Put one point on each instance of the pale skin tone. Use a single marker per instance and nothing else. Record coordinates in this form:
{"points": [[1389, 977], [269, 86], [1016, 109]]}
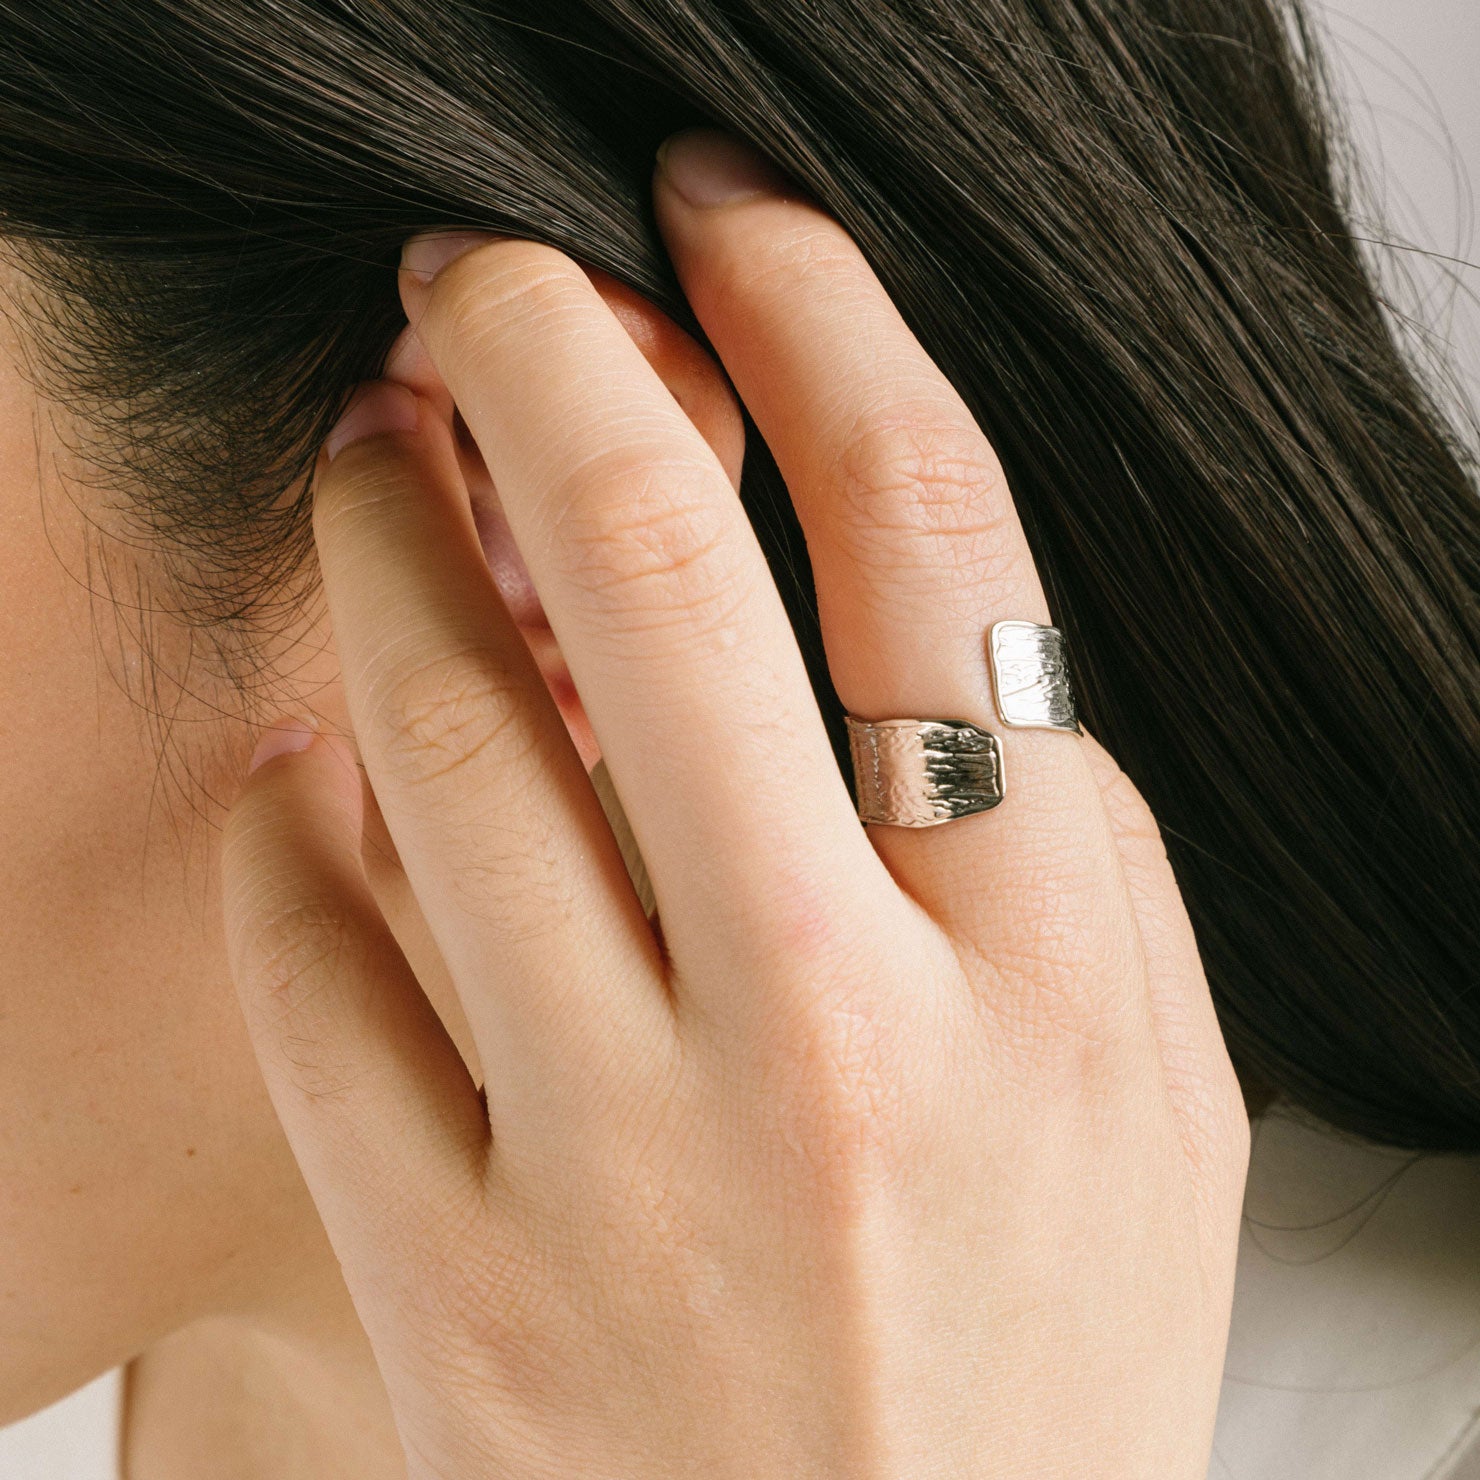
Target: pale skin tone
{"points": [[865, 1170]]}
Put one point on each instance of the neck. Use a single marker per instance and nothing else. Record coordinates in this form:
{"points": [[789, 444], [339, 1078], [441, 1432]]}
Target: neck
{"points": [[290, 1394]]}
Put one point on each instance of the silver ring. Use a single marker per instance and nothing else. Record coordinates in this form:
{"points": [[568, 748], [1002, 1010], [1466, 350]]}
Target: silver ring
{"points": [[920, 772], [1030, 679], [917, 772]]}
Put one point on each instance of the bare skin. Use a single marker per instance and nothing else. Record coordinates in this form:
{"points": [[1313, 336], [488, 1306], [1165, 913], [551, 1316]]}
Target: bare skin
{"points": [[129, 1081], [151, 1208], [908, 1152]]}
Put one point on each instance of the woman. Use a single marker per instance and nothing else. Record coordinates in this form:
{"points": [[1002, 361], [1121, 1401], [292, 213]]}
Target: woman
{"points": [[941, 1173]]}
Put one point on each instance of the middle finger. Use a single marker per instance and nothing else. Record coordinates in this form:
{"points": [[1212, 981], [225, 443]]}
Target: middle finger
{"points": [[658, 593]]}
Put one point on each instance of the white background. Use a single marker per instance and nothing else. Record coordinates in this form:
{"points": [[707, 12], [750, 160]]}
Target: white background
{"points": [[1410, 70]]}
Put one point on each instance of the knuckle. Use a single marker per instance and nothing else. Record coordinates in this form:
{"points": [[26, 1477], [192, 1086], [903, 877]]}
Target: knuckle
{"points": [[918, 488], [488, 1301], [459, 1332], [1057, 1008], [649, 545], [439, 713], [921, 468], [839, 1096]]}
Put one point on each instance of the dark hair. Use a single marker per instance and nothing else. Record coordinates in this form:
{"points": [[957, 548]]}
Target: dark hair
{"points": [[1117, 226]]}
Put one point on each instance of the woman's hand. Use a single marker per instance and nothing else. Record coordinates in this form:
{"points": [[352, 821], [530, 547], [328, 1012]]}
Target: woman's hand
{"points": [[903, 1152]]}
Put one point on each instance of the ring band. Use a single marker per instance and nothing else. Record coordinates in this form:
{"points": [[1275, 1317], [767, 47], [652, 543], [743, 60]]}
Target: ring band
{"points": [[919, 772], [1030, 679]]}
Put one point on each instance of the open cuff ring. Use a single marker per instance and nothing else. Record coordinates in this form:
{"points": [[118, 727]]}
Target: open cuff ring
{"points": [[919, 772]]}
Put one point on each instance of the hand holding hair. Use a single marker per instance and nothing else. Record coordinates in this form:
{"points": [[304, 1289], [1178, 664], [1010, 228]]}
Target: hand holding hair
{"points": [[901, 1150]]}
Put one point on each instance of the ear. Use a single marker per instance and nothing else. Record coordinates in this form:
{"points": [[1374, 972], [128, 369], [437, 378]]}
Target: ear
{"points": [[692, 375]]}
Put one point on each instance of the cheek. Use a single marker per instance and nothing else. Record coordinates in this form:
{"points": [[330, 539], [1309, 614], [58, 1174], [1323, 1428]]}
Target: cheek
{"points": [[143, 1178]]}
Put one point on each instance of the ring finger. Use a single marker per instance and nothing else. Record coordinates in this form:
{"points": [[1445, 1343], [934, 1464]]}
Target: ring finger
{"points": [[502, 838]]}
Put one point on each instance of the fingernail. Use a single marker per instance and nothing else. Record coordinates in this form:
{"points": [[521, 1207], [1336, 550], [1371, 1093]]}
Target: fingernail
{"points": [[378, 406], [426, 255], [709, 167], [283, 738]]}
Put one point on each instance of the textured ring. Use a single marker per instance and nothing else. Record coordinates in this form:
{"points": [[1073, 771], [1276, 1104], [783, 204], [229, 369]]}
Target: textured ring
{"points": [[918, 772], [1030, 678]]}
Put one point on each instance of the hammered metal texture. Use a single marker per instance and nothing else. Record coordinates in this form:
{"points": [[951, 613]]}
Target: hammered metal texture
{"points": [[918, 772], [1030, 678]]}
